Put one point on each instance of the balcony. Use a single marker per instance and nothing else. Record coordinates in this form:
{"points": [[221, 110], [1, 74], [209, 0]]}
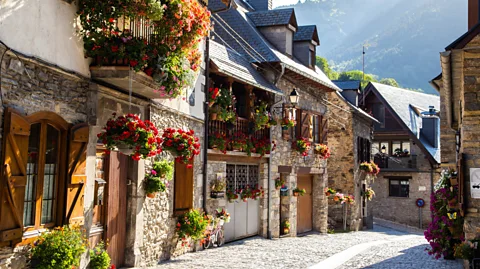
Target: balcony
{"points": [[396, 164], [242, 126]]}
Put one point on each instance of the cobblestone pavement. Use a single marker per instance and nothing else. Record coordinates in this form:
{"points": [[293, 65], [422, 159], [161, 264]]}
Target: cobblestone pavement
{"points": [[379, 248]]}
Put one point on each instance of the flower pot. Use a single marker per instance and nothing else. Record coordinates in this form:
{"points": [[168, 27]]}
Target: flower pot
{"points": [[453, 181], [151, 195], [295, 194], [125, 149], [286, 230], [221, 222], [213, 116]]}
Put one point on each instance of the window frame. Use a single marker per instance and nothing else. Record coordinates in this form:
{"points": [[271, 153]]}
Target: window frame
{"points": [[401, 192], [60, 125]]}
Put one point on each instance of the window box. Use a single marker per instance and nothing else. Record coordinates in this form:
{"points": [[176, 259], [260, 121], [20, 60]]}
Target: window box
{"points": [[217, 195]]}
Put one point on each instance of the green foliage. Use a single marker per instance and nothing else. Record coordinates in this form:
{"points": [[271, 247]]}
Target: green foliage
{"points": [[164, 169], [261, 116], [192, 224], [154, 184], [322, 63], [59, 249], [389, 81], [357, 75], [99, 258]]}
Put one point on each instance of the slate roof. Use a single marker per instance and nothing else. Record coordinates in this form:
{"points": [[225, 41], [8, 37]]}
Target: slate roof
{"points": [[403, 102], [233, 27], [347, 84], [273, 17], [234, 65], [356, 109], [306, 33]]}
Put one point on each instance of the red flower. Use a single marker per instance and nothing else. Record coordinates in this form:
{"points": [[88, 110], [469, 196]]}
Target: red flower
{"points": [[189, 166], [111, 20], [133, 63], [114, 48]]}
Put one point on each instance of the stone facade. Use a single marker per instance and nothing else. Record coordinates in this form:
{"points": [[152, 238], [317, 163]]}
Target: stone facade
{"points": [[403, 209], [343, 165]]}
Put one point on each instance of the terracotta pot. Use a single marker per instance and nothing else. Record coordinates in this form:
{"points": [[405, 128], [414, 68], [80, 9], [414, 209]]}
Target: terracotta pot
{"points": [[151, 195], [453, 181], [286, 230], [295, 194], [213, 116]]}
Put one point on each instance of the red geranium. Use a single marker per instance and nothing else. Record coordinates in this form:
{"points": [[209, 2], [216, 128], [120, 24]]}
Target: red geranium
{"points": [[182, 144], [130, 130], [302, 145]]}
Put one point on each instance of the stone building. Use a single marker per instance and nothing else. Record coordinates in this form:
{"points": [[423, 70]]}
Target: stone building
{"points": [[270, 58], [459, 85], [350, 130], [56, 100], [406, 147]]}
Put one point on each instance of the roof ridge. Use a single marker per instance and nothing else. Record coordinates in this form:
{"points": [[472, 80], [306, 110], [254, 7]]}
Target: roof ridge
{"points": [[410, 91]]}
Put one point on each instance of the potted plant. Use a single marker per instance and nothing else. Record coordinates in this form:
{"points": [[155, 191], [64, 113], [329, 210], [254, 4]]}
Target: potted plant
{"points": [[153, 184], [468, 250], [59, 248], [182, 144], [286, 227], [370, 168], [302, 146], [261, 116], [192, 225], [299, 192], [217, 188], [239, 141], [322, 151], [369, 193], [287, 123], [339, 197], [231, 196], [264, 146], [213, 93], [213, 112], [131, 136], [271, 121], [245, 193], [257, 193], [164, 169], [349, 199], [329, 191], [223, 215], [279, 182], [218, 141], [99, 258]]}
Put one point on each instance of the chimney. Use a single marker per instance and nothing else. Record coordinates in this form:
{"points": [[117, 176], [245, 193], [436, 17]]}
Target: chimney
{"points": [[261, 5], [473, 13], [431, 127]]}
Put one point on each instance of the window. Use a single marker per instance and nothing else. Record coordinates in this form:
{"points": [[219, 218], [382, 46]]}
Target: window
{"points": [[42, 176], [35, 153], [312, 126], [397, 148], [399, 187], [239, 176], [363, 150], [183, 188]]}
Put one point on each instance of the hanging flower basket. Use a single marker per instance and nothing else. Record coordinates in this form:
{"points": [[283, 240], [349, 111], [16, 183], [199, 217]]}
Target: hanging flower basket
{"points": [[302, 146], [131, 136], [322, 151], [183, 145], [287, 123]]}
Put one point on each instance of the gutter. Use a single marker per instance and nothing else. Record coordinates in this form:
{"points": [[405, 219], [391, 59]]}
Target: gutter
{"points": [[445, 61]]}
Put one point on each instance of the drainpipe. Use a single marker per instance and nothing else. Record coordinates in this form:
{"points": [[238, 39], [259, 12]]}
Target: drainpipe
{"points": [[205, 108]]}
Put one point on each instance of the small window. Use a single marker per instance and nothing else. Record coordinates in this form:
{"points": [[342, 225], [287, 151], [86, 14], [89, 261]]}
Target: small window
{"points": [[385, 147], [406, 147], [399, 187]]}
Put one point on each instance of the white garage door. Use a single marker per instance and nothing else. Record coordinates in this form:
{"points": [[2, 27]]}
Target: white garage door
{"points": [[244, 215]]}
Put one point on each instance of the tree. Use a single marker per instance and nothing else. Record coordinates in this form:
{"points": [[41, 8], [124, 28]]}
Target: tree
{"points": [[357, 75], [389, 81], [322, 63]]}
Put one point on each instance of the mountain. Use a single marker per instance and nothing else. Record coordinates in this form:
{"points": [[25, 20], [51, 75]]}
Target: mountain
{"points": [[403, 37]]}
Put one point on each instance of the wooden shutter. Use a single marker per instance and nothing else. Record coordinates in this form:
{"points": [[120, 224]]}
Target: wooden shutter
{"points": [[14, 177], [77, 157], [359, 149], [298, 126], [183, 188], [306, 125], [324, 130]]}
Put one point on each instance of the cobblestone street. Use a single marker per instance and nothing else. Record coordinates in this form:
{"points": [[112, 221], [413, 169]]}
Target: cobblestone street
{"points": [[380, 248]]}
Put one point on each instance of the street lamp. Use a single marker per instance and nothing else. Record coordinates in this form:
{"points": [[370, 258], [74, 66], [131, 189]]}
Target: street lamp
{"points": [[294, 97]]}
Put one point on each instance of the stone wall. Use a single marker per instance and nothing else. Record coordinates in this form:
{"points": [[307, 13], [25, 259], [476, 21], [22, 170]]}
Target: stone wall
{"points": [[159, 236], [286, 157], [343, 165], [30, 86], [470, 132], [399, 209]]}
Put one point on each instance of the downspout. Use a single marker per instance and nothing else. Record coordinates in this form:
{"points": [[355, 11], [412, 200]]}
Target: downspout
{"points": [[445, 60], [205, 109], [431, 184]]}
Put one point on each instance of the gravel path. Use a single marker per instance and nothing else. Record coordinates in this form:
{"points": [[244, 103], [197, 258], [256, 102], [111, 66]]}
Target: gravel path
{"points": [[379, 248]]}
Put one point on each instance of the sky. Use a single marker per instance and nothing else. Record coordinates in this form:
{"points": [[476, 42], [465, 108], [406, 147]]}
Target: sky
{"points": [[277, 3]]}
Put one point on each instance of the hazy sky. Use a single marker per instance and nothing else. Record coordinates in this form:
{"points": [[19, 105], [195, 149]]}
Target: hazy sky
{"points": [[277, 3]]}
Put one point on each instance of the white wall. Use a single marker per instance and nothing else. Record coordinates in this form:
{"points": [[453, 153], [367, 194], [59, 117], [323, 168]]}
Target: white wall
{"points": [[45, 29]]}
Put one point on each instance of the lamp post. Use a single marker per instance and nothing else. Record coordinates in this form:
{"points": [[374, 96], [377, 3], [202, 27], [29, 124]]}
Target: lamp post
{"points": [[294, 97]]}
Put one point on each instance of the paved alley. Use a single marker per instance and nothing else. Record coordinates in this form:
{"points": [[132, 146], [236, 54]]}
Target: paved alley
{"points": [[380, 248]]}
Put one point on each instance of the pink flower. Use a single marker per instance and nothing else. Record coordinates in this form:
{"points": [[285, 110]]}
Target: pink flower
{"points": [[154, 172]]}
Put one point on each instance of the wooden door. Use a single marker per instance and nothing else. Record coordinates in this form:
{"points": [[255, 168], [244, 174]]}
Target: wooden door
{"points": [[116, 215], [304, 204]]}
